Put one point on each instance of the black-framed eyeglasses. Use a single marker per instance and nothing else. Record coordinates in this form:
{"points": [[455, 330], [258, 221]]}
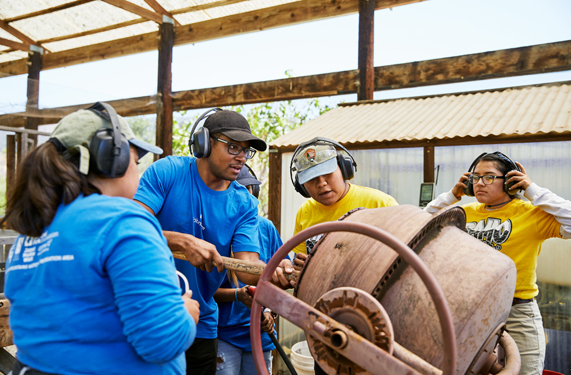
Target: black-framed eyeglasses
{"points": [[487, 179], [235, 149]]}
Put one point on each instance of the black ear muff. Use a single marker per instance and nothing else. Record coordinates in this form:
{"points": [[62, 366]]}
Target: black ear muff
{"points": [[513, 167], [346, 166], [300, 188], [200, 143], [102, 159], [469, 189]]}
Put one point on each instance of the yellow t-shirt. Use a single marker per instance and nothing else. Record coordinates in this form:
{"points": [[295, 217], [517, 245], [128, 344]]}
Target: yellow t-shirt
{"points": [[312, 212], [518, 229]]}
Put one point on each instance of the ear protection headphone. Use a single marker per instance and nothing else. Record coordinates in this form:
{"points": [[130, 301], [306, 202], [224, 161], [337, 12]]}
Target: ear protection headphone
{"points": [[255, 188], [347, 164], [469, 190], [199, 142], [109, 152]]}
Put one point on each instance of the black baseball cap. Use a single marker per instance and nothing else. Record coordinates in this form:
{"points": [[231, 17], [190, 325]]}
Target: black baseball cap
{"points": [[234, 126]]}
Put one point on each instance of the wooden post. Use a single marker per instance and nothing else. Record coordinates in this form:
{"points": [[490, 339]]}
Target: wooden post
{"points": [[164, 89], [366, 49], [10, 163], [33, 91], [428, 163], [275, 188]]}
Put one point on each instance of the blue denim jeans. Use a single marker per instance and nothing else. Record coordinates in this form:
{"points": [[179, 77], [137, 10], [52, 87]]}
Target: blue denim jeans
{"points": [[234, 361], [525, 326]]}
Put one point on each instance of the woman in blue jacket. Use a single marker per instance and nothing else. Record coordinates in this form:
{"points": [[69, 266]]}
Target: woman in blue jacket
{"points": [[91, 281]]}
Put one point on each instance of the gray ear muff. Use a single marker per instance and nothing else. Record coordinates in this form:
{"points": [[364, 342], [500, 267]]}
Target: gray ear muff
{"points": [[102, 159], [109, 149], [199, 141], [200, 146]]}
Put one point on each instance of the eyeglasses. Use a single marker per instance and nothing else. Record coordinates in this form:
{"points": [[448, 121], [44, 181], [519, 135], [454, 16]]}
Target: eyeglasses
{"points": [[235, 149], [487, 179]]}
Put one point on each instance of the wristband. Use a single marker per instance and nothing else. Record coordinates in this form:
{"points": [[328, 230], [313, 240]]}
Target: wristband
{"points": [[236, 293]]}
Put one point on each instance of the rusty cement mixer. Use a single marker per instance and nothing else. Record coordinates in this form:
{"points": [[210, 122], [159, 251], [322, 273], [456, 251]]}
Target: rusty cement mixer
{"points": [[370, 304]]}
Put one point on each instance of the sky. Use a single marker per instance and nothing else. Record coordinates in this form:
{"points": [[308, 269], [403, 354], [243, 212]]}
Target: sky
{"points": [[422, 31]]}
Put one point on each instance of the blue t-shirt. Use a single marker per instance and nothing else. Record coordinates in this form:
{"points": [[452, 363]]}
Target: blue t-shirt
{"points": [[98, 293], [234, 321], [183, 203]]}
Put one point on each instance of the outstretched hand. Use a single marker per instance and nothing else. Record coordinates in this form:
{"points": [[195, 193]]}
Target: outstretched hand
{"points": [[521, 179]]}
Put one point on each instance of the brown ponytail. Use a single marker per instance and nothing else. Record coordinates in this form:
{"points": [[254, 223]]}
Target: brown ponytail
{"points": [[44, 180]]}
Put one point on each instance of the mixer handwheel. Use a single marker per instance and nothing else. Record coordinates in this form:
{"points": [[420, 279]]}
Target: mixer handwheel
{"points": [[361, 313]]}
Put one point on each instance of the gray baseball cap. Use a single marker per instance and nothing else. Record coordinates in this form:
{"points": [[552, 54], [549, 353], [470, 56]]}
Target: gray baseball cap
{"points": [[76, 130], [246, 178], [315, 160]]}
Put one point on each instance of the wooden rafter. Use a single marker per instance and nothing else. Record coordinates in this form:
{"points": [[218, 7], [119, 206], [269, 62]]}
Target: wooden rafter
{"points": [[261, 19], [24, 38], [159, 9], [95, 31], [213, 4], [14, 45], [135, 9], [47, 11], [141, 20], [541, 58]]}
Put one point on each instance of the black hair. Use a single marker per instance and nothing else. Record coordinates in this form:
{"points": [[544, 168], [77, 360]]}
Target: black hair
{"points": [[43, 181]]}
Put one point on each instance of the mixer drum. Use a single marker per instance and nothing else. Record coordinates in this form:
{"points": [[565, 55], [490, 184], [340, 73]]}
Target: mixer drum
{"points": [[478, 281]]}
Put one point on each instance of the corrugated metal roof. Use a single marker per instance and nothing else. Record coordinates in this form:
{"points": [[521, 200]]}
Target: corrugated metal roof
{"points": [[533, 110]]}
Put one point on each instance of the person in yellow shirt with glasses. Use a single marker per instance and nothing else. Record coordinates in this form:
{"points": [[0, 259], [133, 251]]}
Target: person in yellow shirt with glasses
{"points": [[517, 228]]}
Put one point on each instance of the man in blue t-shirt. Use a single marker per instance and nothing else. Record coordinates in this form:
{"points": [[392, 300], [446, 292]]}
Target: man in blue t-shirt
{"points": [[204, 213], [234, 346]]}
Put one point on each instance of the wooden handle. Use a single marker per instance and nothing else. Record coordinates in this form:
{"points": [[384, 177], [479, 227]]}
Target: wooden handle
{"points": [[238, 265]]}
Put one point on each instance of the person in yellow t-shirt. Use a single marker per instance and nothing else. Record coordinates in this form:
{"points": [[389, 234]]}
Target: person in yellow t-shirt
{"points": [[517, 228], [322, 173]]}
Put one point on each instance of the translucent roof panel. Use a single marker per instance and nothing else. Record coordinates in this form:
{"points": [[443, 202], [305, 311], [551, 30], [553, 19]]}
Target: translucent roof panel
{"points": [[106, 36], [81, 18], [15, 8]]}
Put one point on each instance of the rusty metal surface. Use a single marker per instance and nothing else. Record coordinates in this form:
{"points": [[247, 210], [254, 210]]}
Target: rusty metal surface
{"points": [[486, 357], [349, 344], [513, 363], [361, 351], [478, 282], [338, 259], [360, 312], [451, 216]]}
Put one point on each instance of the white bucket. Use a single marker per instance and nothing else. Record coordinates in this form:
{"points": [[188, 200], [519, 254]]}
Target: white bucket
{"points": [[301, 359]]}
